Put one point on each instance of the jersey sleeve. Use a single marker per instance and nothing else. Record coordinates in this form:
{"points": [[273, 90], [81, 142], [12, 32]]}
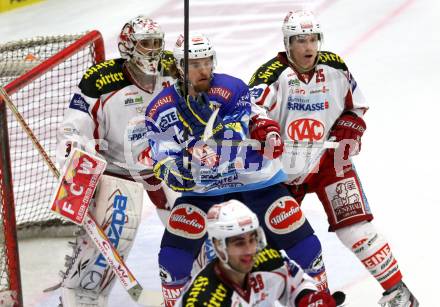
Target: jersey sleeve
{"points": [[235, 118], [83, 125], [264, 83], [160, 120], [296, 282], [79, 127], [354, 99]]}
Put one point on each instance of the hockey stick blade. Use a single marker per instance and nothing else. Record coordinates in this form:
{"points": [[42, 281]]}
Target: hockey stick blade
{"points": [[127, 279], [208, 132], [150, 298]]}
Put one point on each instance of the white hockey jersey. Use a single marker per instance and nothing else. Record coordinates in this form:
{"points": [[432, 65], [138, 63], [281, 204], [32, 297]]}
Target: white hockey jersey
{"points": [[306, 109], [106, 114], [271, 279]]}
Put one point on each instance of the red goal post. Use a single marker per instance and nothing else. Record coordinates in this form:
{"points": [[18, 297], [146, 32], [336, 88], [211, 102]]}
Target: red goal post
{"points": [[39, 75]]}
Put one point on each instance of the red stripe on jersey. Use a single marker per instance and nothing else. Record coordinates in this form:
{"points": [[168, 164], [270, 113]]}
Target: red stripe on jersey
{"points": [[108, 98], [273, 106], [349, 101], [265, 93], [95, 120]]}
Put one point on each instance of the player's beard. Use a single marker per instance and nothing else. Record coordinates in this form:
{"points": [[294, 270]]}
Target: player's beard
{"points": [[203, 86]]}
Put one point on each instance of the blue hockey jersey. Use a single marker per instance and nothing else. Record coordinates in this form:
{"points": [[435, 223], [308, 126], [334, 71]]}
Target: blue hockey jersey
{"points": [[216, 169]]}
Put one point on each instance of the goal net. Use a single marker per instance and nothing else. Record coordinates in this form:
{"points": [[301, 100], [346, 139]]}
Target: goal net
{"points": [[39, 74]]}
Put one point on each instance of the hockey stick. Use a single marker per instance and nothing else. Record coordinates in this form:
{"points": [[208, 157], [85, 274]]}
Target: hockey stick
{"points": [[208, 133], [127, 279], [186, 163], [257, 144]]}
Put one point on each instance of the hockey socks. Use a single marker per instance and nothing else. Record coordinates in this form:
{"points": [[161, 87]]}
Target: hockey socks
{"points": [[308, 254]]}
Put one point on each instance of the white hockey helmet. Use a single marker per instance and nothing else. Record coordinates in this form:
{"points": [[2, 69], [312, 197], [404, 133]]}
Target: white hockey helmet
{"points": [[199, 46], [300, 22], [131, 47], [229, 219]]}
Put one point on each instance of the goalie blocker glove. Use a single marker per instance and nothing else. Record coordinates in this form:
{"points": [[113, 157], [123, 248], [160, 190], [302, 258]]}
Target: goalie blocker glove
{"points": [[195, 114], [349, 126], [174, 174], [267, 131]]}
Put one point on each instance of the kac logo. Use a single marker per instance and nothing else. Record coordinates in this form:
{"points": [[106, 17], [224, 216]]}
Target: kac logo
{"points": [[306, 129]]}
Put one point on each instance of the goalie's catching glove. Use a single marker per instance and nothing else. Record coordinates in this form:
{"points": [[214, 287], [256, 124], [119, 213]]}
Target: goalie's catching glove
{"points": [[267, 131], [349, 126], [194, 114], [172, 172]]}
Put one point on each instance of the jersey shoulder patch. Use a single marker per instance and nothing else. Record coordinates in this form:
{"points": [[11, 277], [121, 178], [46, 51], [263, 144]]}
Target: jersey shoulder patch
{"points": [[268, 73], [103, 78], [268, 259], [332, 59], [207, 290]]}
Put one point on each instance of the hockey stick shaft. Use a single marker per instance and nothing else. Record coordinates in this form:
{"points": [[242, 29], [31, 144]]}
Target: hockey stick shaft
{"points": [[29, 132], [257, 144], [98, 236], [186, 163]]}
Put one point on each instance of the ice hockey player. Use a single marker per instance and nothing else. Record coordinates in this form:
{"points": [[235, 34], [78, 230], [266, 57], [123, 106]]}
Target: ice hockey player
{"points": [[314, 97], [105, 117], [218, 173], [246, 272]]}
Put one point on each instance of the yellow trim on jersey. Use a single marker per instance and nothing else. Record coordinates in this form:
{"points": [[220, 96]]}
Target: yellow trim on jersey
{"points": [[7, 5]]}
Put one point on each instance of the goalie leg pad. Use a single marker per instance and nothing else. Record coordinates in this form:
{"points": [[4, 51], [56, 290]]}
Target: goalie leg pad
{"points": [[117, 208], [373, 251]]}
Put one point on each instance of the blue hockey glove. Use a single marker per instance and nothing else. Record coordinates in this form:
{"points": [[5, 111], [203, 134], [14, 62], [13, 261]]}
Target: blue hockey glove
{"points": [[172, 172], [195, 114]]}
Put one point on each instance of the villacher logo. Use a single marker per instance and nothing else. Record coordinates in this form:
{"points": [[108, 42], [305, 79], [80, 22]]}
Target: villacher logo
{"points": [[187, 221], [284, 216]]}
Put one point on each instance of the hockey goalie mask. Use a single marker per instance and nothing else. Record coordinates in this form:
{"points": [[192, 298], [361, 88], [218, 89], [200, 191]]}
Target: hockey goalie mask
{"points": [[232, 219], [199, 46], [142, 41], [299, 25]]}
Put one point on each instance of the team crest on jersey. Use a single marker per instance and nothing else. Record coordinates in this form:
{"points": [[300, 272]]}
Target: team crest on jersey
{"points": [[187, 221], [306, 129], [79, 103], [284, 216], [345, 199]]}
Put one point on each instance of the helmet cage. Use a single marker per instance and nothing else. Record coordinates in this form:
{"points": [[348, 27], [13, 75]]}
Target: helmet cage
{"points": [[139, 29]]}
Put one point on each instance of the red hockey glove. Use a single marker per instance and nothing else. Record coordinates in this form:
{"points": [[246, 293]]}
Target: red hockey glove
{"points": [[267, 131], [348, 127], [317, 299]]}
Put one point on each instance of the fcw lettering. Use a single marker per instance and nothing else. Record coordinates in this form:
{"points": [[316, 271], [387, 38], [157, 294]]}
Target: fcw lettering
{"points": [[306, 129]]}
